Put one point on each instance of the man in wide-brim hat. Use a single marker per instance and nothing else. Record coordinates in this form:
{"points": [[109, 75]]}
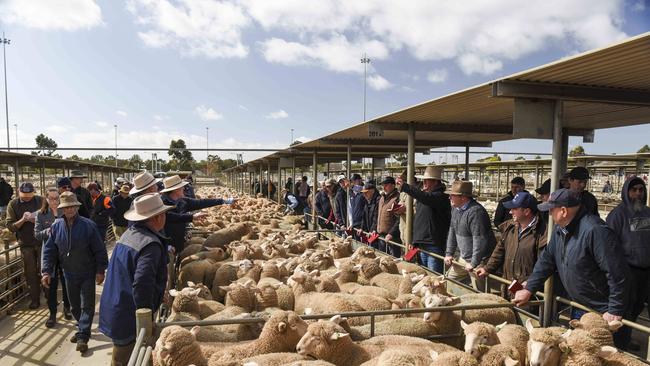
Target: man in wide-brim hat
{"points": [[470, 233], [144, 183], [432, 215], [181, 215], [83, 195], [136, 276], [75, 243]]}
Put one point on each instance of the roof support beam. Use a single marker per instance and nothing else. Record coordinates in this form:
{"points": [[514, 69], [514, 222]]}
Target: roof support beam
{"points": [[578, 93], [445, 127], [420, 143]]}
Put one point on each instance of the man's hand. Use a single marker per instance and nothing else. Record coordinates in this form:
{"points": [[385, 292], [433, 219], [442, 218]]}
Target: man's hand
{"points": [[468, 267], [45, 280], [399, 181], [410, 246], [522, 297], [448, 260], [389, 237], [401, 210], [99, 278], [199, 216], [481, 272], [610, 317], [26, 216], [171, 249]]}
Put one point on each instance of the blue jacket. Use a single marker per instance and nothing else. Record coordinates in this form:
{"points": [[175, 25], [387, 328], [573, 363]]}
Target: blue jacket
{"points": [[341, 214], [357, 204], [323, 205], [632, 226], [79, 249], [589, 260], [136, 278], [179, 217]]}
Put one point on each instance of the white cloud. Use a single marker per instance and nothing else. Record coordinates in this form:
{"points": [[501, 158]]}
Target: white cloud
{"points": [[437, 76], [160, 117], [207, 113], [56, 128], [101, 124], [121, 113], [377, 82], [194, 27], [279, 114], [242, 107], [303, 139], [67, 15], [472, 63]]}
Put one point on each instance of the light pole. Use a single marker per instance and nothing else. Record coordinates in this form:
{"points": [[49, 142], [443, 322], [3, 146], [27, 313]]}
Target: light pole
{"points": [[5, 42], [291, 142], [207, 152], [365, 61], [115, 126], [16, 127]]}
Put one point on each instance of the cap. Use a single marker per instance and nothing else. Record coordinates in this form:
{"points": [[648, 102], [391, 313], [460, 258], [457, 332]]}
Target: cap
{"points": [[560, 198], [93, 186], [368, 186], [579, 173], [388, 180], [355, 176], [26, 187], [340, 178], [521, 200], [63, 182], [518, 181], [330, 182], [545, 188]]}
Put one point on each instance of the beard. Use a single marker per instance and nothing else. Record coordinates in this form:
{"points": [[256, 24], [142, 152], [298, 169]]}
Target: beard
{"points": [[637, 205]]}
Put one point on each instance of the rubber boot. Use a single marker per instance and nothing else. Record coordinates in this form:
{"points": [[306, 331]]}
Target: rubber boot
{"points": [[121, 354]]}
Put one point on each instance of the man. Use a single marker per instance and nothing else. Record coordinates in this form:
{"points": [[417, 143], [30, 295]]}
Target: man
{"points": [[303, 190], [544, 192], [501, 215], [289, 185], [470, 233], [630, 220], [578, 178], [564, 181], [387, 220], [180, 215], [6, 191], [401, 210], [75, 243], [83, 196], [291, 201], [356, 202], [323, 206], [137, 275], [122, 203], [119, 182], [432, 215], [341, 213], [21, 215], [102, 209], [369, 216], [608, 188], [522, 239], [143, 183], [587, 256], [189, 188]]}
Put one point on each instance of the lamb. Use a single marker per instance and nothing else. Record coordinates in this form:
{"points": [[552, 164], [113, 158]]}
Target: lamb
{"points": [[501, 355], [480, 334], [178, 346], [202, 271], [340, 249], [225, 236], [240, 301], [455, 358], [224, 275], [273, 359], [579, 349], [207, 306], [216, 254], [599, 329], [281, 333], [432, 283], [494, 316], [544, 345], [407, 301], [326, 340], [396, 357], [187, 302], [190, 250], [372, 271], [327, 283]]}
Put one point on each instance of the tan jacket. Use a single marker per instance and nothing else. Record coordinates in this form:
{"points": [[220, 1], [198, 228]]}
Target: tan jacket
{"points": [[388, 222]]}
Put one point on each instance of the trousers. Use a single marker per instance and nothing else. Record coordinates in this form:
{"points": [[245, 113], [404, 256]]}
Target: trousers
{"points": [[81, 294], [52, 304], [32, 267]]}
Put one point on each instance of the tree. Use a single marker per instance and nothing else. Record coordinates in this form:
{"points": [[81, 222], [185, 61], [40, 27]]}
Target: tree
{"points": [[135, 162], [520, 158], [401, 158], [577, 151], [537, 157], [297, 142], [181, 158], [492, 158], [644, 149], [46, 146]]}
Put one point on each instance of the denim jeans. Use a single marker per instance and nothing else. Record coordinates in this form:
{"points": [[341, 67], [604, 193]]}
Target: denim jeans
{"points": [[430, 262], [52, 304], [81, 293]]}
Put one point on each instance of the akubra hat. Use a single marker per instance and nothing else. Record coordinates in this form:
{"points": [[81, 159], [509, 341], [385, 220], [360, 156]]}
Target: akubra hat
{"points": [[432, 172], [141, 182], [461, 188], [68, 199], [172, 183], [145, 207], [77, 174]]}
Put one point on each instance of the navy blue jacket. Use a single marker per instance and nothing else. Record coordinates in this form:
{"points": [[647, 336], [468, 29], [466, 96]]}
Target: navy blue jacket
{"points": [[136, 279], [589, 260], [341, 214], [357, 203], [188, 190], [79, 249], [180, 216], [323, 205]]}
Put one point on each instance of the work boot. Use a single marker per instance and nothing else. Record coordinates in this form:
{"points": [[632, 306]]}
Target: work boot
{"points": [[34, 305], [73, 339], [121, 354], [51, 321], [67, 314], [82, 345]]}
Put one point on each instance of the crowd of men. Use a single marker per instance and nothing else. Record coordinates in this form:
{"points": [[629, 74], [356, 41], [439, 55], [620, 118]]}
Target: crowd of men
{"points": [[604, 265], [62, 238]]}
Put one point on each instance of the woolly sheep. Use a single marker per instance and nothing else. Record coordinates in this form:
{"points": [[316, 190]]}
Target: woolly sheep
{"points": [[543, 347], [202, 271], [273, 359], [326, 340], [501, 355], [454, 358], [396, 357], [372, 271], [480, 334], [225, 236], [216, 254], [178, 346], [494, 316], [579, 349]]}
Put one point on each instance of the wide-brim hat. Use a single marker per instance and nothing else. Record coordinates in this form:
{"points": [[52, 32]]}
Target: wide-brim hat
{"points": [[432, 172], [146, 206], [142, 181], [77, 174], [68, 199], [461, 188], [173, 183]]}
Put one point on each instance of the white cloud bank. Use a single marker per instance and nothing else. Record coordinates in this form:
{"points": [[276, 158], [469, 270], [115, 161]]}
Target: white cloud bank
{"points": [[279, 114], [69, 15], [207, 113]]}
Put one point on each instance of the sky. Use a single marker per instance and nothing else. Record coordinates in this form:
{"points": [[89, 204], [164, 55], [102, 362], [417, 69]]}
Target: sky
{"points": [[252, 70]]}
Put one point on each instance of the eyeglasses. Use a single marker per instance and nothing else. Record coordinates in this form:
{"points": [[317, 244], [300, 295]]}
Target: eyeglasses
{"points": [[52, 199]]}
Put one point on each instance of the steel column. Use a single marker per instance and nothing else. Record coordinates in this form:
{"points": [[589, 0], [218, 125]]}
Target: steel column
{"points": [[348, 174], [279, 187], [268, 179], [314, 190], [410, 179], [467, 162]]}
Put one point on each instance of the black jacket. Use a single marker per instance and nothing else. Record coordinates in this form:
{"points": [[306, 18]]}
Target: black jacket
{"points": [[121, 205], [102, 210], [323, 205], [83, 195], [6, 191], [341, 214], [181, 215], [370, 213], [589, 260], [501, 214], [432, 217], [589, 202]]}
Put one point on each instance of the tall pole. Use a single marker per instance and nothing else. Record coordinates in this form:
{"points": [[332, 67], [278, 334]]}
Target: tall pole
{"points": [[365, 61], [291, 142], [115, 126], [16, 128], [5, 42], [207, 148]]}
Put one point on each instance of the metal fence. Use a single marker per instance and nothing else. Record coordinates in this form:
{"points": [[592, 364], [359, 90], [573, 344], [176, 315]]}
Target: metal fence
{"points": [[13, 286]]}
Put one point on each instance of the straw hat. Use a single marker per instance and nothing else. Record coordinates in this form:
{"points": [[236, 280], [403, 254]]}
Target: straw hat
{"points": [[68, 199], [172, 183], [461, 188], [141, 182], [146, 206], [432, 172]]}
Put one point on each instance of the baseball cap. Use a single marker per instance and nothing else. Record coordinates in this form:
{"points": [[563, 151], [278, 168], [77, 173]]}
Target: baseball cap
{"points": [[368, 186], [26, 187], [579, 173], [521, 200], [355, 176], [518, 181], [560, 198], [63, 182], [388, 180], [545, 188], [340, 178], [330, 182]]}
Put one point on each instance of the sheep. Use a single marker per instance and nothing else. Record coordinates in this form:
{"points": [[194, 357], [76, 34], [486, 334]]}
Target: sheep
{"points": [[216, 254], [455, 358], [543, 347], [409, 267], [407, 301], [432, 283], [389, 265], [480, 334], [372, 272], [579, 349], [494, 316], [273, 359], [340, 249], [202, 271], [501, 355], [225, 236], [326, 340], [281, 333], [396, 357], [178, 346], [327, 283], [224, 275], [190, 250], [310, 363]]}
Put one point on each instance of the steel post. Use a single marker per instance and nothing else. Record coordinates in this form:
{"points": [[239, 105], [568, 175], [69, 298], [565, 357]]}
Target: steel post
{"points": [[410, 179], [467, 162], [280, 185], [348, 174], [314, 190]]}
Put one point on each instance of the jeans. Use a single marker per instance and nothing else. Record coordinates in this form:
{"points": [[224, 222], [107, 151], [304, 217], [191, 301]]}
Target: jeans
{"points": [[81, 293], [32, 266], [430, 262], [52, 304]]}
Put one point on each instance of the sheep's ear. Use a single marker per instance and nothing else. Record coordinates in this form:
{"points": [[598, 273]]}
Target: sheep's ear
{"points": [[575, 324], [529, 325], [308, 311], [282, 327], [337, 264], [314, 273], [614, 325], [173, 293], [566, 334], [377, 260], [336, 319], [276, 285], [500, 326], [510, 362], [195, 331], [190, 284], [463, 324], [434, 355], [404, 273], [338, 335], [336, 275], [356, 268], [606, 351], [224, 288]]}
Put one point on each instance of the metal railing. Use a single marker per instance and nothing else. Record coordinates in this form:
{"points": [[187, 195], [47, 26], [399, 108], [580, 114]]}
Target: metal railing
{"points": [[13, 286]]}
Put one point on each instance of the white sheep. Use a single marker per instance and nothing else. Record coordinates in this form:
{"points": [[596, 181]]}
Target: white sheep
{"points": [[543, 347], [178, 346], [480, 334]]}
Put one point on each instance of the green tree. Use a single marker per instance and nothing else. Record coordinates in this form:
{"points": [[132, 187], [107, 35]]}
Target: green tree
{"points": [[46, 146], [401, 158], [577, 151], [297, 142], [520, 158], [644, 149], [181, 158], [135, 162], [538, 157], [492, 158]]}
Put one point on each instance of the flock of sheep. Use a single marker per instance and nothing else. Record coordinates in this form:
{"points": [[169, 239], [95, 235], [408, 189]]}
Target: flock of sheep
{"points": [[251, 262]]}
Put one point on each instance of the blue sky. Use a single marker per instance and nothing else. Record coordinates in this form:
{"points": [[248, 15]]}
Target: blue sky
{"points": [[251, 70]]}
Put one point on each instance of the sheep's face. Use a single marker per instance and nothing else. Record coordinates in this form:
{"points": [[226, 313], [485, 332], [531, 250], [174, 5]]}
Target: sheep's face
{"points": [[478, 336], [173, 342], [433, 301], [388, 265], [542, 354], [317, 341]]}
